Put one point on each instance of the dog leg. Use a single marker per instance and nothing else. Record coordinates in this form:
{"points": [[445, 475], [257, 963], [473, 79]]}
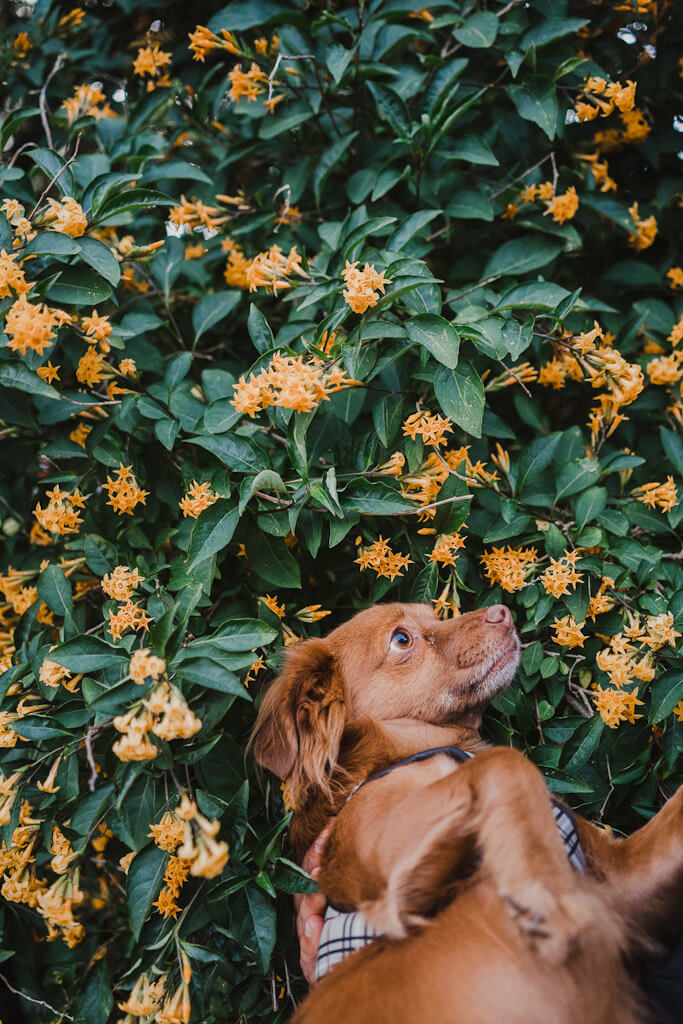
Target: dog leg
{"points": [[645, 871]]}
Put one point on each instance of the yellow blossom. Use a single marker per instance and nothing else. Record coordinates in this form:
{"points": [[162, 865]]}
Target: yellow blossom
{"points": [[431, 428], [292, 382], [145, 665], [129, 616], [67, 217], [509, 568], [249, 84], [382, 560], [675, 275], [96, 327], [616, 706], [363, 287], [568, 632], [124, 492], [564, 206], [12, 277], [656, 495], [120, 583], [446, 548], [91, 368], [31, 326], [197, 498], [203, 41], [61, 514], [168, 833], [646, 230]]}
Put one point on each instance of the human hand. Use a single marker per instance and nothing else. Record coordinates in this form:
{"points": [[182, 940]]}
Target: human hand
{"points": [[310, 908]]}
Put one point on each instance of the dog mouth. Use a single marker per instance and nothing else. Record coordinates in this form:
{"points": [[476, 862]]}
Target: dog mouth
{"points": [[501, 670]]}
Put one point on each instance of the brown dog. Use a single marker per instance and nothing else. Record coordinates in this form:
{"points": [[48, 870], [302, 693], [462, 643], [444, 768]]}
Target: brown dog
{"points": [[461, 868]]}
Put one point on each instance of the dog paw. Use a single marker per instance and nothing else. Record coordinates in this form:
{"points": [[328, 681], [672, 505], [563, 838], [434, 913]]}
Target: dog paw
{"points": [[551, 923]]}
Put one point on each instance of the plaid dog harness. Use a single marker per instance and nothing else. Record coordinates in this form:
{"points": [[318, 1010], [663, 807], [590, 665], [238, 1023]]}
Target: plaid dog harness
{"points": [[344, 933]]}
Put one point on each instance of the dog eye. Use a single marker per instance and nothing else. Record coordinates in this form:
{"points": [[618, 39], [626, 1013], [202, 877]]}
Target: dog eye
{"points": [[401, 640]]}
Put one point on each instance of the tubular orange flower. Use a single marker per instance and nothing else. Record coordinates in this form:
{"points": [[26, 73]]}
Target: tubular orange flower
{"points": [[120, 583], [569, 632], [430, 428], [446, 548], [616, 706], [67, 217], [12, 277], [509, 568], [124, 492], [129, 616], [197, 498], [655, 495], [379, 557], [144, 665], [61, 514], [31, 327], [363, 287]]}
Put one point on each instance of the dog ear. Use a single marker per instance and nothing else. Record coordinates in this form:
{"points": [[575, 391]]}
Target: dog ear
{"points": [[301, 720]]}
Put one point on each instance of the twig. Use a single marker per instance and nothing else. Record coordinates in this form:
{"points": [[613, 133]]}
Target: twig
{"points": [[286, 206], [37, 1002], [57, 176], [27, 145], [519, 177], [474, 287], [611, 788], [92, 780], [276, 65], [42, 98]]}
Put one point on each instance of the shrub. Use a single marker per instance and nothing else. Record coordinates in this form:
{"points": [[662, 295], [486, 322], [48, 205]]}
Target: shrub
{"points": [[315, 308]]}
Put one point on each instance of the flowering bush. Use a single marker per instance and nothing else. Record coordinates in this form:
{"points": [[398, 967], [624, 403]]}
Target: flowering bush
{"points": [[304, 309]]}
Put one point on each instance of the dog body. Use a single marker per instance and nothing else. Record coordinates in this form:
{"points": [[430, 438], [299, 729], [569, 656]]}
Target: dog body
{"points": [[460, 867]]}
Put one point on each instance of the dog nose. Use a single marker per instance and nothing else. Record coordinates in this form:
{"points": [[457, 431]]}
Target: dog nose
{"points": [[498, 613]]}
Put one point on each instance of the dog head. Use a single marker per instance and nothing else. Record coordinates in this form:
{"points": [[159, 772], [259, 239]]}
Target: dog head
{"points": [[390, 662]]}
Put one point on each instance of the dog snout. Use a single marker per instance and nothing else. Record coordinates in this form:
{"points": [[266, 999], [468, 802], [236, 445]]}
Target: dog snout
{"points": [[498, 613]]}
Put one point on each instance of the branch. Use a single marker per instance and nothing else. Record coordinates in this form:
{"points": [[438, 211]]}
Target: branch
{"points": [[92, 780], [57, 176], [42, 99], [37, 1002]]}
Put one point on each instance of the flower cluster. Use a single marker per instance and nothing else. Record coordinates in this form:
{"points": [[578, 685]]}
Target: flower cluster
{"points": [[67, 217], [569, 632], [510, 569], [203, 41], [124, 492], [561, 575], [379, 557], [31, 326], [656, 495], [291, 382], [363, 287], [144, 665], [197, 498], [121, 582], [432, 429], [600, 98], [561, 206], [446, 548], [149, 63], [164, 713], [271, 270], [646, 230], [61, 514]]}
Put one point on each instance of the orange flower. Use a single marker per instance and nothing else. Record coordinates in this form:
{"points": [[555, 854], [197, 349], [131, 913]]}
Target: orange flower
{"points": [[123, 490], [197, 498], [362, 286], [382, 560]]}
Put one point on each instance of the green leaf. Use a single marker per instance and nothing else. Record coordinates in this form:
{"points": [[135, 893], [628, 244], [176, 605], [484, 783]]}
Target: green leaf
{"points": [[410, 227], [213, 676], [263, 920], [266, 480], [471, 149], [460, 393], [101, 258], [470, 205], [271, 558], [391, 108], [19, 377], [575, 476], [212, 532], [375, 499], [536, 100], [55, 167], [95, 1004], [551, 29], [88, 654], [665, 695], [585, 742], [535, 458], [211, 309], [673, 446], [243, 635], [55, 590], [143, 885], [437, 335], [331, 156], [589, 505], [51, 243], [133, 199], [237, 453], [78, 287], [337, 59], [259, 330], [522, 255], [479, 31]]}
